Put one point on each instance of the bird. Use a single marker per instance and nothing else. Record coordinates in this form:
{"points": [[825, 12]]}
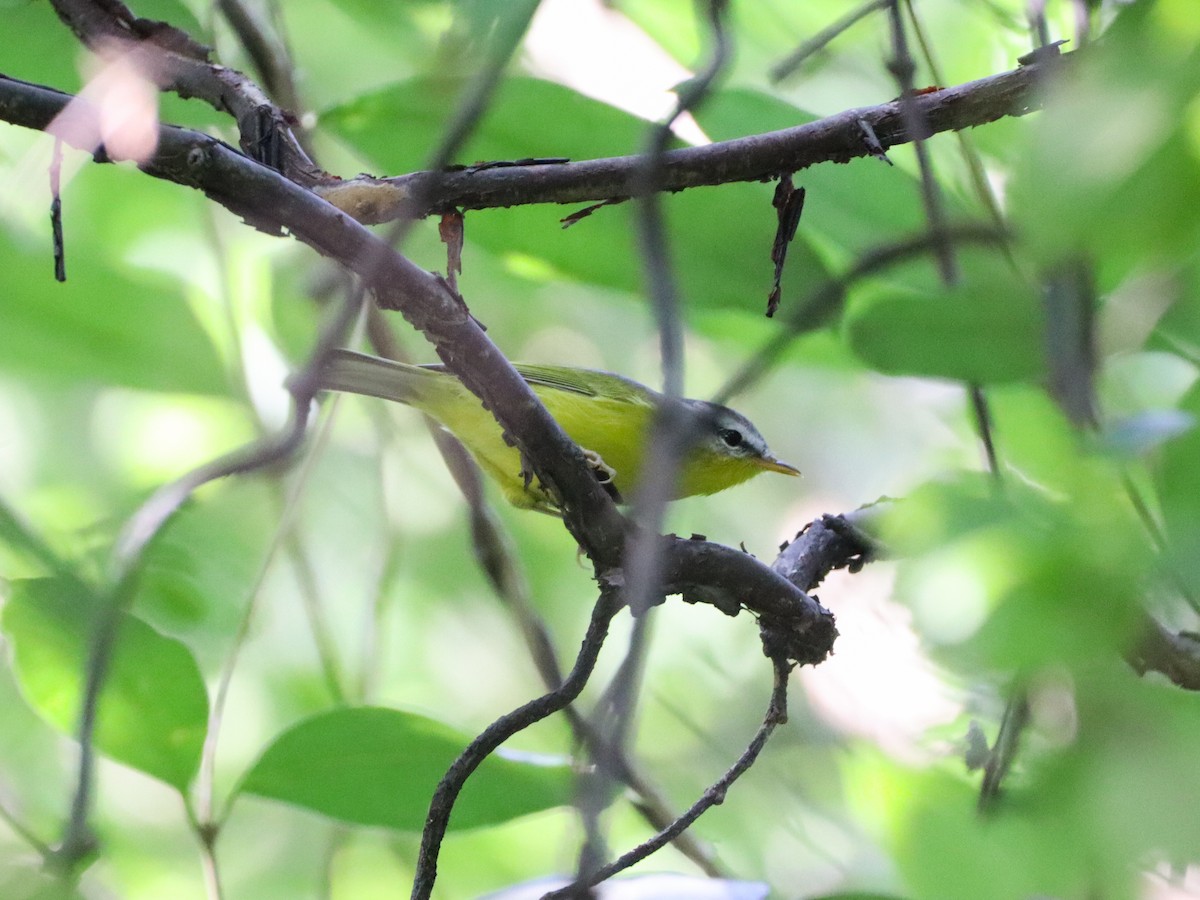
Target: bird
{"points": [[607, 415]]}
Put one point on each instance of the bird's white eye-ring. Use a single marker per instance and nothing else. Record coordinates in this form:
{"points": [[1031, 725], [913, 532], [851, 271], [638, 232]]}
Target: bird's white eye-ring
{"points": [[731, 436]]}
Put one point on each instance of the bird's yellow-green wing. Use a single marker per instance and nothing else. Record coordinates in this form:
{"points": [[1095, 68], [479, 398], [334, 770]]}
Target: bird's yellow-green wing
{"points": [[601, 412], [589, 382]]}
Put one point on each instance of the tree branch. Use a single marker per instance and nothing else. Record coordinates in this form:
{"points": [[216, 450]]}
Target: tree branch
{"points": [[760, 157], [1177, 656], [180, 64]]}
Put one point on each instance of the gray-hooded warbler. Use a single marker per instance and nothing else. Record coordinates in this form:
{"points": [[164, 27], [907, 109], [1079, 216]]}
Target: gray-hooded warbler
{"points": [[607, 415]]}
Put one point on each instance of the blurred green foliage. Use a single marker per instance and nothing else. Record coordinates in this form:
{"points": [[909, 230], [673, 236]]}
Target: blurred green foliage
{"points": [[154, 709], [364, 644]]}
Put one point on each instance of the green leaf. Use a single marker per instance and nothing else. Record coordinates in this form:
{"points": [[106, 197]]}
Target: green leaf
{"points": [[938, 333], [1132, 191], [385, 14], [37, 47], [672, 23], [153, 711], [1032, 578], [105, 324], [195, 571], [1171, 305], [1130, 774], [375, 766], [529, 117], [947, 851], [1089, 812], [25, 881]]}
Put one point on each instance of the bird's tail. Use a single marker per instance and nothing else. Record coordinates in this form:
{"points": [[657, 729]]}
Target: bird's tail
{"points": [[360, 374]]}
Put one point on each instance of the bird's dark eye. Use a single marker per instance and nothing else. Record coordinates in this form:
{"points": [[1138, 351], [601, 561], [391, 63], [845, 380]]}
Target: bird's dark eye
{"points": [[731, 437]]}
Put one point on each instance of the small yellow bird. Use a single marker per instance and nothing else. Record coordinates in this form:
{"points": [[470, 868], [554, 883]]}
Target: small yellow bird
{"points": [[606, 415]]}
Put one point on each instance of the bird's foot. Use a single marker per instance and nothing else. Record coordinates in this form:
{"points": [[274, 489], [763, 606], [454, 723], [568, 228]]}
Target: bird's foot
{"points": [[604, 473]]}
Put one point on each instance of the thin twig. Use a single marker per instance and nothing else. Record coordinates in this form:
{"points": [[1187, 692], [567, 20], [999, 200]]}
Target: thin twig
{"points": [[370, 657], [987, 196], [1038, 29], [205, 783], [56, 229], [211, 869], [670, 434], [1159, 541], [822, 39], [1004, 750], [975, 168], [668, 440], [268, 54], [613, 719], [44, 850], [715, 795], [824, 301], [607, 606], [20, 537], [902, 67], [318, 624], [513, 22], [983, 425], [380, 336], [271, 58], [1070, 303], [78, 841]]}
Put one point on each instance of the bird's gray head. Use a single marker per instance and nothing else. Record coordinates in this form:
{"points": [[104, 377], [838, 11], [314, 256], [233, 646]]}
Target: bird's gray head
{"points": [[729, 434]]}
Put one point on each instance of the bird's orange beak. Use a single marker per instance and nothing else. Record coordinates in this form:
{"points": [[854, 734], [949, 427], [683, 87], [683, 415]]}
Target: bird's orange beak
{"points": [[771, 464]]}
